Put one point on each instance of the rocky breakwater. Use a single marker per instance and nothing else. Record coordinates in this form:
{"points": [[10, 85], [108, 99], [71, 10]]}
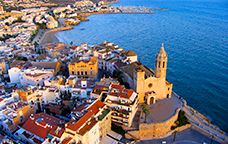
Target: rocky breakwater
{"points": [[135, 10]]}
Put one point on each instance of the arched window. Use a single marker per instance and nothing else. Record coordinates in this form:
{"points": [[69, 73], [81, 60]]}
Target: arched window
{"points": [[159, 64], [163, 64]]}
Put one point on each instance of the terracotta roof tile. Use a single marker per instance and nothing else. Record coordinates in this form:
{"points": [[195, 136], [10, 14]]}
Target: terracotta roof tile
{"points": [[75, 125], [67, 140], [120, 91], [95, 107], [92, 110], [87, 127], [41, 124]]}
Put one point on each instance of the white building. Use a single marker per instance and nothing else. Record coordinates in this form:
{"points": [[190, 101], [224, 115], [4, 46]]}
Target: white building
{"points": [[49, 95], [35, 77], [14, 75], [124, 104], [80, 88]]}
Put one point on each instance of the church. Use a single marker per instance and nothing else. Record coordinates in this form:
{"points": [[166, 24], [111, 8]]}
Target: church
{"points": [[149, 84]]}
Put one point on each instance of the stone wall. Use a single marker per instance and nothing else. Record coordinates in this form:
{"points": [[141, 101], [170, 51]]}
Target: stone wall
{"points": [[154, 130], [179, 129]]}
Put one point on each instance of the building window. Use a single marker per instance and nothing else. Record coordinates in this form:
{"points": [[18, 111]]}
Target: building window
{"points": [[21, 119], [163, 64], [150, 85], [81, 72], [159, 63], [85, 72], [72, 73], [78, 73]]}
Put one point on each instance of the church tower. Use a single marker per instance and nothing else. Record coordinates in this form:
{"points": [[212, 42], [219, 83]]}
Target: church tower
{"points": [[161, 63]]}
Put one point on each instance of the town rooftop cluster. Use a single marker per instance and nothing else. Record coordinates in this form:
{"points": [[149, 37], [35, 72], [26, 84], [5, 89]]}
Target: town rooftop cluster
{"points": [[66, 93]]}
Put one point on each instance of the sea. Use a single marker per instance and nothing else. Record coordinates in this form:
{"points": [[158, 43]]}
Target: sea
{"points": [[195, 35]]}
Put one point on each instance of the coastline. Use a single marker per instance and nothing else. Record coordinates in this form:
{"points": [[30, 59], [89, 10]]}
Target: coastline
{"points": [[50, 37], [201, 123]]}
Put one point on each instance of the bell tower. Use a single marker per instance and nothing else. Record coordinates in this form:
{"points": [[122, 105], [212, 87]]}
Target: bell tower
{"points": [[161, 63]]}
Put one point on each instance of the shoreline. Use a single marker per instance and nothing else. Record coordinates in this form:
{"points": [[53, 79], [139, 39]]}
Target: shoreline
{"points": [[50, 37], [201, 123]]}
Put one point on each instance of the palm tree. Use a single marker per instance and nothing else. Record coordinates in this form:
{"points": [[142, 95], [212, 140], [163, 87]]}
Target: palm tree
{"points": [[146, 110]]}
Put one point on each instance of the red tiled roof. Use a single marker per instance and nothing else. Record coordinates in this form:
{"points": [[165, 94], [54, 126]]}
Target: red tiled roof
{"points": [[92, 110], [87, 127], [121, 91], [96, 106], [67, 140], [57, 131], [73, 125], [117, 86], [99, 88], [41, 124]]}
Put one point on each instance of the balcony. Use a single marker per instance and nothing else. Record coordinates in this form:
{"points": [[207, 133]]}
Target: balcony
{"points": [[121, 111], [104, 113], [116, 115], [119, 103]]}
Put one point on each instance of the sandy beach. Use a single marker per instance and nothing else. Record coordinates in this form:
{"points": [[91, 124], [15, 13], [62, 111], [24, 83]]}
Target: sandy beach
{"points": [[49, 37]]}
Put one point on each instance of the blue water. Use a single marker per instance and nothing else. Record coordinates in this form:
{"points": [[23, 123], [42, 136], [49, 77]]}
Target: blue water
{"points": [[195, 33]]}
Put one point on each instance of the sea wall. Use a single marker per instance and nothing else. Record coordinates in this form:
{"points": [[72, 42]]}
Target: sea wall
{"points": [[60, 28], [155, 130]]}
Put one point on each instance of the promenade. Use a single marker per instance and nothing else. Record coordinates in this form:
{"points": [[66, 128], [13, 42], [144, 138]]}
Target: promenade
{"points": [[187, 136], [202, 124]]}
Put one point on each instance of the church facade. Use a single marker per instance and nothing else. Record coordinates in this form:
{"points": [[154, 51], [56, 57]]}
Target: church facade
{"points": [[150, 85]]}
